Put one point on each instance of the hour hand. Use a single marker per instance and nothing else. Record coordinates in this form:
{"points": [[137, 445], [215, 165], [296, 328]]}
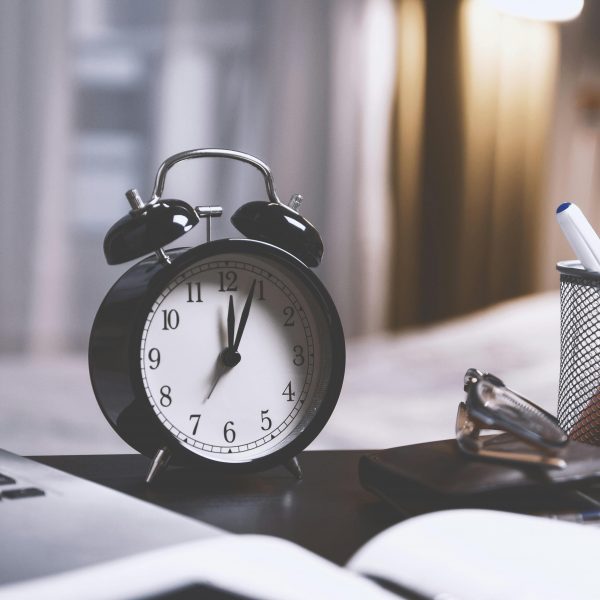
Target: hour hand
{"points": [[230, 323], [230, 357]]}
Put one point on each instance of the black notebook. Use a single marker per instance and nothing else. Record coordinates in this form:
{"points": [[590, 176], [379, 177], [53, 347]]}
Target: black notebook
{"points": [[422, 478]]}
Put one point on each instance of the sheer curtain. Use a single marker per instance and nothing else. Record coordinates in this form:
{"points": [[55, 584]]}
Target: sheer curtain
{"points": [[311, 95], [35, 122], [95, 95]]}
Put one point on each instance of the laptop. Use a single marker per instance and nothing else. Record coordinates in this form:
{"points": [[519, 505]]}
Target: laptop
{"points": [[53, 522]]}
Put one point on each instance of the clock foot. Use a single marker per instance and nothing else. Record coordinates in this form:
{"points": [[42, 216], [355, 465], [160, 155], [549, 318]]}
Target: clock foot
{"points": [[293, 466], [161, 460]]}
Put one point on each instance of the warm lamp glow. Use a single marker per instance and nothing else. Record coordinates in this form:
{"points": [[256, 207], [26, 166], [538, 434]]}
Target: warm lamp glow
{"points": [[541, 10]]}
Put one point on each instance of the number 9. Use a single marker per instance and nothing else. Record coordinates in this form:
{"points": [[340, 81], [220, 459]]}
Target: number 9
{"points": [[154, 357]]}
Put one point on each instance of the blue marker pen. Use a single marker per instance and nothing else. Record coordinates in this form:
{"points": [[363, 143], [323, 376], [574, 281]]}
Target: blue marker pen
{"points": [[580, 235]]}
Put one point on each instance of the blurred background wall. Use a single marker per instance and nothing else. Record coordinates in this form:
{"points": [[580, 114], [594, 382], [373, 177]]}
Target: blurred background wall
{"points": [[431, 141]]}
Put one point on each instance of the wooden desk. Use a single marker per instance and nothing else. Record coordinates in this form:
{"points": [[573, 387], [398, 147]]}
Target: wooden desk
{"points": [[327, 512]]}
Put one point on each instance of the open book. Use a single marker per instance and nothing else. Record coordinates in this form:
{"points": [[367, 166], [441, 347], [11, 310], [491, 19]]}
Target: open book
{"points": [[458, 554]]}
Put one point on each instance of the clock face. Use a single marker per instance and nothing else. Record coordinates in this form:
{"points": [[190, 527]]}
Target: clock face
{"points": [[236, 356]]}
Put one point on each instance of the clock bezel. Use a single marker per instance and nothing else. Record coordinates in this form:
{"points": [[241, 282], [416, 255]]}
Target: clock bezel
{"points": [[154, 428]]}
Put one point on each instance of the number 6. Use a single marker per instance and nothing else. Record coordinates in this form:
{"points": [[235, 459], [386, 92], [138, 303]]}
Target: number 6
{"points": [[229, 433]]}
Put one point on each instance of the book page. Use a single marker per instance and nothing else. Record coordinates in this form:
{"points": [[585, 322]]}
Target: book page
{"points": [[252, 566], [486, 555]]}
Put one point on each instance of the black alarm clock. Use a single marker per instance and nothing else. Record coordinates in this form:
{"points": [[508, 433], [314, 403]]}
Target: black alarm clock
{"points": [[227, 356]]}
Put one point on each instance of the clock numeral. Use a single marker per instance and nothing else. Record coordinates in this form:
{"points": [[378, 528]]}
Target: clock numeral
{"points": [[288, 392], [266, 421], [197, 417], [298, 355], [261, 289], [170, 319], [194, 292], [165, 396], [228, 432], [228, 280], [288, 312], [154, 358]]}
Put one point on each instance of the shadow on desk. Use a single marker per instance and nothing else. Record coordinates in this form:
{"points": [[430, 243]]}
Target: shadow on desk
{"points": [[327, 512]]}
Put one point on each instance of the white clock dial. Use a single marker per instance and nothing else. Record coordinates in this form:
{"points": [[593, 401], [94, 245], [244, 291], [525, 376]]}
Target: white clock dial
{"points": [[234, 412]]}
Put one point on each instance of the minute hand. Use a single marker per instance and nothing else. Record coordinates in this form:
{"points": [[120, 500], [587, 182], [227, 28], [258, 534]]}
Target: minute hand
{"points": [[244, 317]]}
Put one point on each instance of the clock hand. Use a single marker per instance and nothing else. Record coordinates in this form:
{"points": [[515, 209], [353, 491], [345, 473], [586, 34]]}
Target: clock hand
{"points": [[244, 317], [229, 357], [219, 371], [230, 323]]}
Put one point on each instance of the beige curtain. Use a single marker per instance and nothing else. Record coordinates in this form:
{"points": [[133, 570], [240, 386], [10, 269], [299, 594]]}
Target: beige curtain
{"points": [[473, 102]]}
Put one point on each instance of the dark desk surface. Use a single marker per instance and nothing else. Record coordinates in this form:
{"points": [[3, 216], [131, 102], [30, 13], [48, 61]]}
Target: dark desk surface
{"points": [[327, 512]]}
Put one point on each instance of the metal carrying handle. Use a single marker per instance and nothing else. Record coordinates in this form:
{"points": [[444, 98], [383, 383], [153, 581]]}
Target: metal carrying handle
{"points": [[161, 174]]}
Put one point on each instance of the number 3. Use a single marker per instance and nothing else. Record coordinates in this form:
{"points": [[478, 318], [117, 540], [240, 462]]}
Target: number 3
{"points": [[299, 355]]}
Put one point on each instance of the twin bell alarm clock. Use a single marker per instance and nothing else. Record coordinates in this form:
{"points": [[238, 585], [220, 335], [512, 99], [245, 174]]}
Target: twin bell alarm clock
{"points": [[227, 356]]}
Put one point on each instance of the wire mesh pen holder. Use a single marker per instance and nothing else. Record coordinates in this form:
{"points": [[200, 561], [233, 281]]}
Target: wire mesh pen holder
{"points": [[579, 386]]}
